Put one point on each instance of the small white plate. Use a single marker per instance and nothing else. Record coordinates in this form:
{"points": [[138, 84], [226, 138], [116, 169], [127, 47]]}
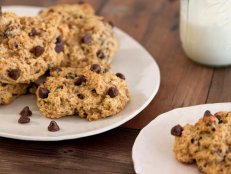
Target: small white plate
{"points": [[142, 75], [152, 151]]}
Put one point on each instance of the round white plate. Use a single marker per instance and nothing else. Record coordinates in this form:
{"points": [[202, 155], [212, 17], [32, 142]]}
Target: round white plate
{"points": [[142, 75], [152, 150]]}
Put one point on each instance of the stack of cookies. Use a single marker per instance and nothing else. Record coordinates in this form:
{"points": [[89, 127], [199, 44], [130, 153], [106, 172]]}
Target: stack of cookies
{"points": [[62, 55]]}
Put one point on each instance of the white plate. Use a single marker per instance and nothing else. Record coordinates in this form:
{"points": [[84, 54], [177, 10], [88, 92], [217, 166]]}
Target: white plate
{"points": [[152, 150], [142, 75]]}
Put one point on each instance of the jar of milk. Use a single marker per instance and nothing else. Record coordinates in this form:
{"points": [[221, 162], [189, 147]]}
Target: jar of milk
{"points": [[205, 31]]}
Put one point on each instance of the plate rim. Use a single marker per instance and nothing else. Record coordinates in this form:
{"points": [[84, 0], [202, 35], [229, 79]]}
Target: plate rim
{"points": [[108, 127]]}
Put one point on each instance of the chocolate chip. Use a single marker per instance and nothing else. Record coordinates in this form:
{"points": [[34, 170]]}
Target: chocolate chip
{"points": [[95, 68], [15, 95], [25, 112], [16, 46], [31, 89], [81, 79], [51, 11], [70, 25], [177, 130], [24, 119], [40, 80], [113, 92], [192, 161], [111, 23], [106, 70], [100, 54], [33, 32], [207, 113], [81, 96], [93, 91], [192, 140], [81, 2], [59, 45], [59, 39], [59, 48], [14, 73], [48, 72], [120, 75], [219, 118], [37, 51], [43, 92], [53, 126], [87, 38]]}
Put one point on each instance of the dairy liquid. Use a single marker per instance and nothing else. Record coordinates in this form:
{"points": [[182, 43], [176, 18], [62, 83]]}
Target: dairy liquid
{"points": [[205, 31]]}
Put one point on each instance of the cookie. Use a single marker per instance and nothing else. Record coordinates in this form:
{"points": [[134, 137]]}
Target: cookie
{"points": [[10, 92], [68, 12], [88, 39], [91, 92], [28, 48], [207, 143]]}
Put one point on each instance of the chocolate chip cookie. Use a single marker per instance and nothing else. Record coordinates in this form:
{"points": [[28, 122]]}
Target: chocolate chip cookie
{"points": [[29, 46], [207, 143], [87, 38], [9, 92], [92, 92]]}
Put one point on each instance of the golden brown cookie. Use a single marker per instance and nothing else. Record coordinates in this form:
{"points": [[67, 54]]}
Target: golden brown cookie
{"points": [[207, 143], [88, 39], [92, 92], [9, 92], [29, 46]]}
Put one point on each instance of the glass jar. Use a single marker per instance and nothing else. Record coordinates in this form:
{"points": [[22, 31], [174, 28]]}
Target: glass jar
{"points": [[205, 31]]}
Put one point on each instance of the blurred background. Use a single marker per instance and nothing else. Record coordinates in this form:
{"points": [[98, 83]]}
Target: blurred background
{"points": [[48, 2]]}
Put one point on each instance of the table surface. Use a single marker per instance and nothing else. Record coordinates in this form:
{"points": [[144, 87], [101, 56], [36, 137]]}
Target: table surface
{"points": [[183, 83]]}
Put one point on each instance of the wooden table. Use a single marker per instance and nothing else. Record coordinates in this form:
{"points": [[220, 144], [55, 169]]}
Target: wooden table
{"points": [[154, 23]]}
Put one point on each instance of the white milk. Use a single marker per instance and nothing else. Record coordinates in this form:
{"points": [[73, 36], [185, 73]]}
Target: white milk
{"points": [[205, 31]]}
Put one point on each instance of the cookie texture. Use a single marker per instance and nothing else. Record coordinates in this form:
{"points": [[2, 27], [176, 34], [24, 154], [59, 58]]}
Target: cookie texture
{"points": [[9, 92], [207, 143], [88, 39], [92, 92], [28, 48]]}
